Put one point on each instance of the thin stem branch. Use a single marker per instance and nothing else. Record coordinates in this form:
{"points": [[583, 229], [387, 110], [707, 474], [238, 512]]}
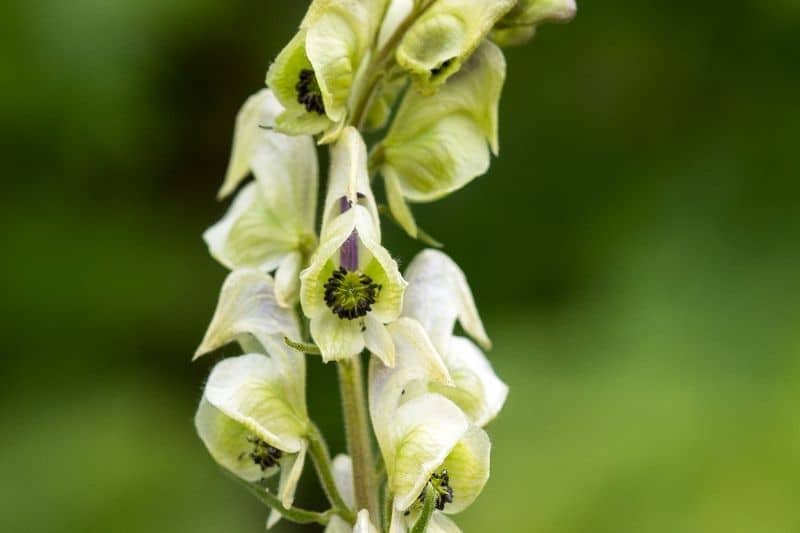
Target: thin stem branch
{"points": [[293, 514], [354, 407], [322, 463]]}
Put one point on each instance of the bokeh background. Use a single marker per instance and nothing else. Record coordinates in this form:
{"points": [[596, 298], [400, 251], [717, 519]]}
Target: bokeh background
{"points": [[634, 253]]}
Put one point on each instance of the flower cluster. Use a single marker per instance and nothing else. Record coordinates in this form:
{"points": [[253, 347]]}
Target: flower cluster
{"points": [[424, 77]]}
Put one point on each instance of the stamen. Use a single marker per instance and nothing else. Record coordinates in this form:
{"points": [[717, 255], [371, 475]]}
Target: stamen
{"points": [[264, 455], [350, 294], [444, 492], [308, 92]]}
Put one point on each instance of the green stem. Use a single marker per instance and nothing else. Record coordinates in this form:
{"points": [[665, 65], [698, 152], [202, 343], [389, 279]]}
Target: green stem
{"points": [[322, 463], [294, 514], [427, 511], [354, 406]]}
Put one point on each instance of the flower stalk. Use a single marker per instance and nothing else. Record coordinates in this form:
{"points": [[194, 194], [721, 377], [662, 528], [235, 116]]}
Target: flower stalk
{"points": [[424, 76]]}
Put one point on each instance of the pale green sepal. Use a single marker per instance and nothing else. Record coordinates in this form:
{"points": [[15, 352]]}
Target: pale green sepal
{"points": [[337, 525], [343, 477], [251, 390], [438, 294], [519, 25], [437, 144], [477, 391], [247, 306], [291, 470], [444, 36], [469, 467], [378, 340], [287, 279], [426, 429], [440, 523], [245, 135], [337, 339], [363, 523]]}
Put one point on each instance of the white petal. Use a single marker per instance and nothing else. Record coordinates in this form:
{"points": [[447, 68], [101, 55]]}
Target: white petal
{"points": [[337, 525], [397, 203], [343, 476], [440, 523], [247, 306], [415, 359], [398, 523], [363, 523], [438, 294], [426, 429], [337, 338], [478, 390], [287, 279], [397, 12], [249, 390], [349, 178], [378, 341], [245, 136], [291, 469]]}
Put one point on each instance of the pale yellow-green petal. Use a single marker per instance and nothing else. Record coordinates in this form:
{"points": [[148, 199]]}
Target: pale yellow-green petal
{"points": [[397, 203], [519, 25], [245, 136], [426, 430], [287, 279], [247, 306], [439, 294], [336, 338], [439, 42], [291, 470], [363, 523], [250, 390], [440, 523], [378, 340], [468, 468]]}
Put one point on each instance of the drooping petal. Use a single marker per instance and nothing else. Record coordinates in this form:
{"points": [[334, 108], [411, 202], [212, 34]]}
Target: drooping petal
{"points": [[363, 523], [440, 523], [343, 477], [378, 340], [438, 294], [444, 36], [468, 468], [250, 390], [426, 430], [247, 306], [478, 391], [336, 338], [437, 144], [291, 469]]}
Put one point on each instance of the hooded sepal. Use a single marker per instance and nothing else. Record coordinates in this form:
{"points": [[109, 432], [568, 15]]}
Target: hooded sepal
{"points": [[519, 25], [313, 75], [444, 36], [438, 144]]}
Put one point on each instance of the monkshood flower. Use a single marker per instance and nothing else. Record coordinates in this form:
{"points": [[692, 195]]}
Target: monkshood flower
{"points": [[314, 74], [270, 225], [519, 25], [428, 444], [444, 36], [252, 417], [437, 296], [343, 476], [437, 144], [352, 287]]}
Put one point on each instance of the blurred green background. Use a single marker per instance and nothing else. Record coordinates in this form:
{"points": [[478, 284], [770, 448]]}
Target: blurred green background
{"points": [[634, 253]]}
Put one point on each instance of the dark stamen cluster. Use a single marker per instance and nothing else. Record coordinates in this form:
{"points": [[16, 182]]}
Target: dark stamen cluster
{"points": [[350, 295], [308, 92], [264, 455], [444, 492]]}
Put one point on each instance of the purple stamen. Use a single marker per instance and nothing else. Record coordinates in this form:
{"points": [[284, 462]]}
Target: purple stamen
{"points": [[349, 251]]}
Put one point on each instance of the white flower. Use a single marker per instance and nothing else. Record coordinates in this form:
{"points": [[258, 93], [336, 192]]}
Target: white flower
{"points": [[314, 74], [437, 144], [352, 287], [343, 476], [270, 224], [425, 439], [437, 296]]}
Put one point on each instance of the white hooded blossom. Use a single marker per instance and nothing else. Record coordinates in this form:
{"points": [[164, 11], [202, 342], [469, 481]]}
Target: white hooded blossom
{"points": [[352, 287], [437, 296], [437, 144], [252, 417], [425, 439], [270, 225], [343, 475]]}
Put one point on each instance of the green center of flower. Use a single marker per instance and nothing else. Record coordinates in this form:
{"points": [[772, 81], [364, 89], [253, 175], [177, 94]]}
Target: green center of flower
{"points": [[308, 92], [350, 294], [264, 455]]}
